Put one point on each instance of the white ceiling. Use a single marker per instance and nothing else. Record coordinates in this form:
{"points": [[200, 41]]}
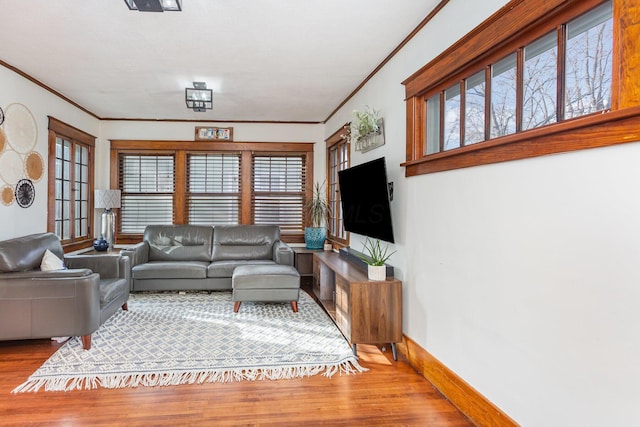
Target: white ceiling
{"points": [[266, 60]]}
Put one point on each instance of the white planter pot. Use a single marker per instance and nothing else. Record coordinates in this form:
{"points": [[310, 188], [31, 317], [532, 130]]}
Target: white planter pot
{"points": [[377, 272]]}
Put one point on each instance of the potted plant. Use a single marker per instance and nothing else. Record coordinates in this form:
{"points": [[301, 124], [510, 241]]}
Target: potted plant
{"points": [[317, 209], [377, 255]]}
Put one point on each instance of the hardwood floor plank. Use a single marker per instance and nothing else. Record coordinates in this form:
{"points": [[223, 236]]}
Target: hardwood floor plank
{"points": [[390, 393]]}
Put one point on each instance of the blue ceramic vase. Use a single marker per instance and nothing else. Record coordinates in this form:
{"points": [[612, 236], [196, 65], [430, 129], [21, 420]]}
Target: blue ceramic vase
{"points": [[101, 245]]}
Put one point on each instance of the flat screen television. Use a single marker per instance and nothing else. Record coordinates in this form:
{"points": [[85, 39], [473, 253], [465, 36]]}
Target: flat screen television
{"points": [[365, 200]]}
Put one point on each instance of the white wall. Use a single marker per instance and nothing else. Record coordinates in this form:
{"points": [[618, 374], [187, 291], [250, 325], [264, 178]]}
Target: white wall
{"points": [[522, 277], [185, 131], [14, 220]]}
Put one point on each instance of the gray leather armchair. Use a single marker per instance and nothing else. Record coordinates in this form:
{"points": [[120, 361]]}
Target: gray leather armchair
{"points": [[70, 302]]}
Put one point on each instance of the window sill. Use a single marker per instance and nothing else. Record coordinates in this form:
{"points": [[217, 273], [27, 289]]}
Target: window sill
{"points": [[596, 130]]}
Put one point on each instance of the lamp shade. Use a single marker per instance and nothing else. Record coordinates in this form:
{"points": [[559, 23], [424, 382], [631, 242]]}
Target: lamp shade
{"points": [[107, 199]]}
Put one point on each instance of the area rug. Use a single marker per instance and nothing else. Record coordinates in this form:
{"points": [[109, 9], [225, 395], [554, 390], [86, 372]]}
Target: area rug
{"points": [[169, 339]]}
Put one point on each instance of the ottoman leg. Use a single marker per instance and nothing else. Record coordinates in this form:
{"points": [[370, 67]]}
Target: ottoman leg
{"points": [[236, 306], [294, 306]]}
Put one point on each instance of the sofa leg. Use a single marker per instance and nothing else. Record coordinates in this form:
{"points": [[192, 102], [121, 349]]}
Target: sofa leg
{"points": [[236, 306], [125, 306], [86, 342], [294, 306]]}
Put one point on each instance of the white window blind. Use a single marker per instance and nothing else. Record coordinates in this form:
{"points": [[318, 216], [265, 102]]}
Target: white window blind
{"points": [[278, 191], [214, 188], [147, 183]]}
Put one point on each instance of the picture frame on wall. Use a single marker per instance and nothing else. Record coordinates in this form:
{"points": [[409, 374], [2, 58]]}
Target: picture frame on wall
{"points": [[213, 133]]}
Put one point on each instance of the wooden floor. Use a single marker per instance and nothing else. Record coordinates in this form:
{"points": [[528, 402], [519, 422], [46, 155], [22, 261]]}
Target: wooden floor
{"points": [[390, 393]]}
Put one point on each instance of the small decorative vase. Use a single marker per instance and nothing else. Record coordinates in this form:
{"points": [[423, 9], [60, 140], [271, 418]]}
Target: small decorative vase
{"points": [[101, 245], [314, 237], [377, 272]]}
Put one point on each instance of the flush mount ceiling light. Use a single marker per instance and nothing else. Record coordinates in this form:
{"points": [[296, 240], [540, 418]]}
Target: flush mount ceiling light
{"points": [[154, 5], [199, 98]]}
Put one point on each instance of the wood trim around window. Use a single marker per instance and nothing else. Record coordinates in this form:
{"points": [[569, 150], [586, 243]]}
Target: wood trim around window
{"points": [[56, 129], [340, 136], [180, 149], [516, 24]]}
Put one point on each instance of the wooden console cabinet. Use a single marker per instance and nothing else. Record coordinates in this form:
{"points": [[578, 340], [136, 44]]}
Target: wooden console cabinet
{"points": [[366, 311]]}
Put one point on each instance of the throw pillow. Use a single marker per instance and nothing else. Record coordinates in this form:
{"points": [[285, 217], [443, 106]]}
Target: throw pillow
{"points": [[51, 262]]}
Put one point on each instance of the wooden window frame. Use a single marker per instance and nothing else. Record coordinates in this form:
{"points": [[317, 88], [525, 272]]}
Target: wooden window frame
{"points": [[334, 142], [182, 148], [520, 22], [59, 129]]}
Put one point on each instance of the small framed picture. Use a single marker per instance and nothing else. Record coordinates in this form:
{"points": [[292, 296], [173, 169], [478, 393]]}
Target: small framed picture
{"points": [[204, 133]]}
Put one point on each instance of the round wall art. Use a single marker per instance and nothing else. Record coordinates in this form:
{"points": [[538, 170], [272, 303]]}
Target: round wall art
{"points": [[20, 128], [3, 141], [11, 167], [34, 166], [6, 195], [25, 193]]}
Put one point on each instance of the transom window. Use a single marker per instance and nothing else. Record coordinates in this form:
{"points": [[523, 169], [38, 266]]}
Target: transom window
{"points": [[523, 90], [543, 86]]}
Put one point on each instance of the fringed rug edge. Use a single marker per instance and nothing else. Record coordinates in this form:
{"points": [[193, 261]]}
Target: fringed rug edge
{"points": [[163, 379]]}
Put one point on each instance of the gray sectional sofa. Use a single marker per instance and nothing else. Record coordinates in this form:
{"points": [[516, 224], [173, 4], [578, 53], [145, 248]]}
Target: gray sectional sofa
{"points": [[196, 257], [73, 301]]}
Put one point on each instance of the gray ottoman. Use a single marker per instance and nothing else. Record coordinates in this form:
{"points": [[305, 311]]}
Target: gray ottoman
{"points": [[265, 283]]}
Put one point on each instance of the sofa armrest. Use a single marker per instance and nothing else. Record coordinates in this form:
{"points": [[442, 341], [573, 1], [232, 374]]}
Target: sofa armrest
{"points": [[107, 266], [282, 253], [54, 274], [137, 254]]}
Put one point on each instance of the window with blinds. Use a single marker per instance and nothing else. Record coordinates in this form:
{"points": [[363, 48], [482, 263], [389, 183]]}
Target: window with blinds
{"points": [[214, 188], [147, 183], [279, 191]]}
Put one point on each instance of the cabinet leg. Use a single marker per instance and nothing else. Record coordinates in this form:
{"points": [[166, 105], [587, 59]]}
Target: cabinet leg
{"points": [[354, 349], [394, 350]]}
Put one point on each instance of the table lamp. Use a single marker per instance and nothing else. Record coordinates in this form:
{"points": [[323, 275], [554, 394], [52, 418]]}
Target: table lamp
{"points": [[108, 199]]}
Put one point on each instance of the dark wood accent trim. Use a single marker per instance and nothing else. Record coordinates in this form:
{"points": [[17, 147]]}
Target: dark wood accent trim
{"points": [[180, 210], [71, 132], [626, 60], [247, 187], [338, 136], [494, 38], [463, 396], [597, 130], [126, 144], [57, 128], [213, 121], [393, 53], [45, 87]]}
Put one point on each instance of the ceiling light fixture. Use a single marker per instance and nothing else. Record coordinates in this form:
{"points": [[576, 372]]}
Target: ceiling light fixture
{"points": [[154, 5], [199, 98]]}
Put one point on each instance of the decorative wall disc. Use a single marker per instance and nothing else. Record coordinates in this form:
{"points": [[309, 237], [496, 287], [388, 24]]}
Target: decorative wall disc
{"points": [[25, 193], [11, 167], [34, 166], [1, 116], [20, 128], [6, 195], [3, 141]]}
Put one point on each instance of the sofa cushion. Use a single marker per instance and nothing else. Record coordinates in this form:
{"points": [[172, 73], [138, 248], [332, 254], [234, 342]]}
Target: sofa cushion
{"points": [[25, 253], [226, 268], [244, 242], [170, 270], [50, 262], [179, 242]]}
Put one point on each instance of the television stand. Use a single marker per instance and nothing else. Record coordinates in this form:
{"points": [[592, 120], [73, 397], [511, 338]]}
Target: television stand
{"points": [[366, 311]]}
